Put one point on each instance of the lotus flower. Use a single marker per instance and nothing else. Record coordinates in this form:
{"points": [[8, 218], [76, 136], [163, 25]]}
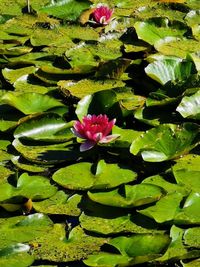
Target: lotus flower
{"points": [[94, 129], [102, 15]]}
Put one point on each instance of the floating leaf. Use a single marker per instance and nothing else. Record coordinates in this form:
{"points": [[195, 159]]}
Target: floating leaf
{"points": [[167, 141], [131, 196], [29, 103], [60, 203], [170, 70], [12, 75], [189, 213], [23, 229], [178, 47], [151, 32], [45, 153], [16, 256], [167, 186], [107, 226], [185, 168], [165, 209], [105, 176], [176, 249], [86, 87], [66, 9], [189, 106], [146, 244], [49, 127], [31, 187], [76, 247], [25, 165]]}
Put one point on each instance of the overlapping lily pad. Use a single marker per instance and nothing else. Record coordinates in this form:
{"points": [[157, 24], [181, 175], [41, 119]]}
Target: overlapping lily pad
{"points": [[132, 201]]}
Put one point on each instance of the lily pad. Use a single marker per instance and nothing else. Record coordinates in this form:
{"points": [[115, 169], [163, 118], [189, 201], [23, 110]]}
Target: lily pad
{"points": [[152, 31], [45, 153], [189, 106], [49, 127], [107, 226], [12, 75], [185, 168], [176, 249], [170, 70], [165, 209], [104, 176], [16, 256], [67, 9], [167, 141], [131, 196], [31, 187], [77, 246], [86, 87], [30, 103], [23, 229], [60, 203]]}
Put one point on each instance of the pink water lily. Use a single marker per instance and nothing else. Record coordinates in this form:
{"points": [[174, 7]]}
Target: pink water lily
{"points": [[94, 129], [102, 15]]}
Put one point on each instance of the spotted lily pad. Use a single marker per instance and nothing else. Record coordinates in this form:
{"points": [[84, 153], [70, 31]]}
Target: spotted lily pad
{"points": [[60, 203]]}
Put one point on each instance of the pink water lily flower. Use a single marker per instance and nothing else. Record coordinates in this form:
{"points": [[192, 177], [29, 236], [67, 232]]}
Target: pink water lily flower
{"points": [[102, 15], [94, 129]]}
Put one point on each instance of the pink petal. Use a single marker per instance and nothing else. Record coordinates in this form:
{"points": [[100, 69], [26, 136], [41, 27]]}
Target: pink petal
{"points": [[109, 138], [87, 145], [97, 137], [76, 133]]}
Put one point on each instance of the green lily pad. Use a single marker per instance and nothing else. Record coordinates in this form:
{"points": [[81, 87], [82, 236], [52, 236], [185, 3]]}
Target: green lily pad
{"points": [[16, 256], [9, 117], [165, 209], [177, 249], [4, 174], [189, 106], [45, 153], [192, 237], [27, 84], [126, 136], [185, 168], [30, 103], [107, 226], [48, 127], [67, 9], [146, 244], [179, 47], [56, 247], [31, 187], [131, 196], [167, 141], [193, 263], [12, 75], [86, 87], [60, 203], [107, 259], [113, 69], [152, 31], [170, 70], [189, 213], [25, 165], [167, 186], [12, 50], [104, 176], [23, 229]]}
